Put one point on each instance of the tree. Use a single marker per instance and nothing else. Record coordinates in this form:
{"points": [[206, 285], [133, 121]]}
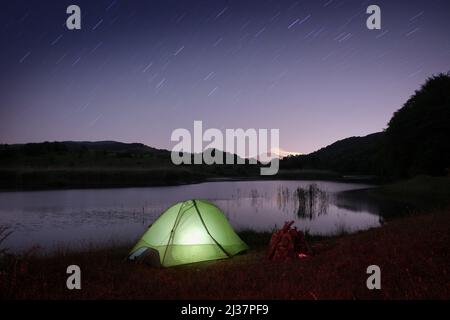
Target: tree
{"points": [[418, 134]]}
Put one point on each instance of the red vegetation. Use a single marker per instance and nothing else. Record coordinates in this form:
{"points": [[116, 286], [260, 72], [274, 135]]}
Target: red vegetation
{"points": [[287, 243]]}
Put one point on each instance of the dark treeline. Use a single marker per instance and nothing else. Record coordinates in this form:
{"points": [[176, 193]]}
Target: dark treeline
{"points": [[418, 135], [102, 164], [416, 140]]}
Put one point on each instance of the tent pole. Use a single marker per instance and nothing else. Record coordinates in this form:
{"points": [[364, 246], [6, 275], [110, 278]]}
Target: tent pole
{"points": [[206, 228], [175, 225]]}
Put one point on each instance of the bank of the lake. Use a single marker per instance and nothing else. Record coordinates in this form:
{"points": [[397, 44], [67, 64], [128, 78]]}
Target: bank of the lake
{"points": [[412, 252], [59, 178], [16, 179]]}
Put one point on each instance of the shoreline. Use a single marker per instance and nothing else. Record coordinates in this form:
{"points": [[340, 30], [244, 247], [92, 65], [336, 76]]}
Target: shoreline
{"points": [[412, 251], [409, 250], [118, 180]]}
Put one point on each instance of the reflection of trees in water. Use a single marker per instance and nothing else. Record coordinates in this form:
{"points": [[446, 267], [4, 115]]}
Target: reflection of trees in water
{"points": [[283, 198], [254, 195], [309, 201], [256, 199]]}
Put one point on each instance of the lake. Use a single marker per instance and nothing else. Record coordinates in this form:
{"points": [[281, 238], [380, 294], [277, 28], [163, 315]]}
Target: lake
{"points": [[74, 218]]}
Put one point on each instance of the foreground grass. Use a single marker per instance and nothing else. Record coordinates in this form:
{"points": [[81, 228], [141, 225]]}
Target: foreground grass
{"points": [[412, 252]]}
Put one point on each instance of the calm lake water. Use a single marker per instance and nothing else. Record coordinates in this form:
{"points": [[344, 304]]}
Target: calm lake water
{"points": [[72, 218]]}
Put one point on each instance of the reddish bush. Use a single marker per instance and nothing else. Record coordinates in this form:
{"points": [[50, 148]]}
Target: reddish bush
{"points": [[287, 243]]}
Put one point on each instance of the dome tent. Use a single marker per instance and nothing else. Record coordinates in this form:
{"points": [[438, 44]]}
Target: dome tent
{"points": [[187, 232]]}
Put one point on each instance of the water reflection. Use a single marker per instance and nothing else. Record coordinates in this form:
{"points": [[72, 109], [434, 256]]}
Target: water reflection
{"points": [[308, 202], [70, 217], [311, 201]]}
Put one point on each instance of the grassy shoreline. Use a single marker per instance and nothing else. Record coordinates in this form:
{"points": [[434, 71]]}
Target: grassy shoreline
{"points": [[412, 252]]}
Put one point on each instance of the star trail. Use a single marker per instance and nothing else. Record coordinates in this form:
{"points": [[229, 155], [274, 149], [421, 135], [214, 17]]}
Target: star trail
{"points": [[137, 70]]}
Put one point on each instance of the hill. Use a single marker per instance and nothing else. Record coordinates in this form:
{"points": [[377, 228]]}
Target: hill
{"points": [[71, 164], [354, 155], [416, 140], [418, 134], [80, 154]]}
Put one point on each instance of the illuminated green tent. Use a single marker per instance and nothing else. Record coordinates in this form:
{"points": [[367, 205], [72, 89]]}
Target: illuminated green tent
{"points": [[187, 232]]}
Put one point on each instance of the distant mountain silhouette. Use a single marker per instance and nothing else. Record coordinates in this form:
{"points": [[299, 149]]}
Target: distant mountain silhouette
{"points": [[79, 154], [61, 146], [357, 155], [416, 141]]}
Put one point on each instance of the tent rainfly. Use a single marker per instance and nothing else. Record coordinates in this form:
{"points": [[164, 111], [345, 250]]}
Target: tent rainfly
{"points": [[187, 232]]}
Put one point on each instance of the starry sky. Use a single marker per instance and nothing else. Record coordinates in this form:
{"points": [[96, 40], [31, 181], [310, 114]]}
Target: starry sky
{"points": [[139, 69]]}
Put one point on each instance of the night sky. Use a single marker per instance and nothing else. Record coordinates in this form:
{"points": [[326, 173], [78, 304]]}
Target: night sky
{"points": [[140, 69]]}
